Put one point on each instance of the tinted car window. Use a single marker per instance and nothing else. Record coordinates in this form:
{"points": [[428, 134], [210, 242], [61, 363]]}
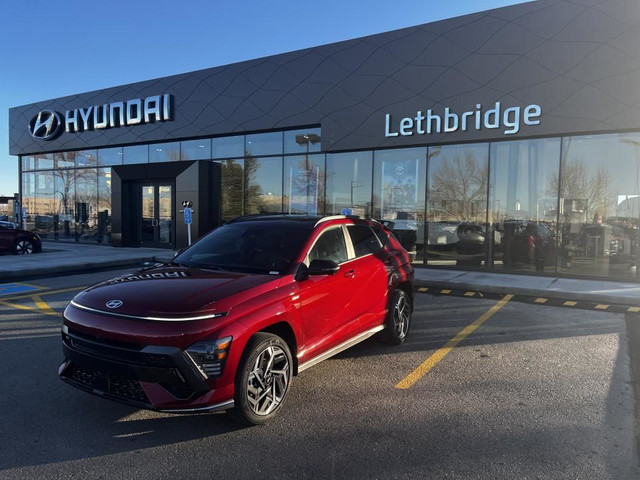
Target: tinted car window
{"points": [[382, 235], [330, 246], [247, 247], [364, 240]]}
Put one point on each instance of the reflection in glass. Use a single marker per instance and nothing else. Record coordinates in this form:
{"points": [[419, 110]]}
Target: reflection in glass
{"points": [[135, 154], [398, 194], [64, 195], [263, 180], [457, 204], [64, 159], [302, 141], [264, 144], [304, 182], [227, 147], [232, 188], [86, 204], [195, 149], [524, 204], [28, 162], [164, 152], [29, 198], [148, 215], [349, 182], [104, 206], [600, 206], [110, 156], [43, 161], [86, 158], [165, 214], [45, 206]]}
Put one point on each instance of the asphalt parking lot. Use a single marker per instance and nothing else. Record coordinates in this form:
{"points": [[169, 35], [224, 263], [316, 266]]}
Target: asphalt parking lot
{"points": [[482, 389]]}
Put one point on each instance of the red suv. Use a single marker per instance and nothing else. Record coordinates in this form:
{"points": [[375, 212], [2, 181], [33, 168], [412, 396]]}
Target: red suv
{"points": [[230, 321]]}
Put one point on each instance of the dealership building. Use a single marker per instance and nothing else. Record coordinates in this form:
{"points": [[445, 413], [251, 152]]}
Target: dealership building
{"points": [[502, 141]]}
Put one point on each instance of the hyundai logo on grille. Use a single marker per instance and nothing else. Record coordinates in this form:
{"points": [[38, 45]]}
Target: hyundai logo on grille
{"points": [[114, 303], [45, 125]]}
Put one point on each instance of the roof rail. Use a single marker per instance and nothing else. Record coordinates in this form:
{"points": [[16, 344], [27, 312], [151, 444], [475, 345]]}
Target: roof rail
{"points": [[329, 218]]}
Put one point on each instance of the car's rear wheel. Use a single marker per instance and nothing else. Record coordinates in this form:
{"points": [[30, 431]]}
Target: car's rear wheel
{"points": [[262, 380], [398, 318], [23, 246]]}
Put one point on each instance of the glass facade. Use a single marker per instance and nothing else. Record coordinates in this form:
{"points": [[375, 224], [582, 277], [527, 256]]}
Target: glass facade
{"points": [[565, 206]]}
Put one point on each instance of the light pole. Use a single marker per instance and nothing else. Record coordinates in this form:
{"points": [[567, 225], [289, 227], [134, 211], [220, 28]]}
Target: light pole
{"points": [[306, 139]]}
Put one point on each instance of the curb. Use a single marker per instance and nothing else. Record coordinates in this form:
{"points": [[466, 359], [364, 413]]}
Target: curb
{"points": [[71, 269], [535, 297]]}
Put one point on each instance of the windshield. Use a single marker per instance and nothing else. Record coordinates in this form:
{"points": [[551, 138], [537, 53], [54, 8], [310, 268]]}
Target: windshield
{"points": [[250, 247]]}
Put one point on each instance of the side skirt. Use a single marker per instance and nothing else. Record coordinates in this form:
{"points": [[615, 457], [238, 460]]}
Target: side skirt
{"points": [[340, 348]]}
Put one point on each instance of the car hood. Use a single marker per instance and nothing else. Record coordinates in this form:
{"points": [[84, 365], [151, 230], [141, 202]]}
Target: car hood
{"points": [[173, 293]]}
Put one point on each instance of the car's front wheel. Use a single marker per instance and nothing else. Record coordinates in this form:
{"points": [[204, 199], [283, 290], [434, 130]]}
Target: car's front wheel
{"points": [[23, 246], [262, 380], [398, 318]]}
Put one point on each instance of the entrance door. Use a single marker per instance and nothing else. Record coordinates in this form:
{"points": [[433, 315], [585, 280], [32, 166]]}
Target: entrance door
{"points": [[156, 215]]}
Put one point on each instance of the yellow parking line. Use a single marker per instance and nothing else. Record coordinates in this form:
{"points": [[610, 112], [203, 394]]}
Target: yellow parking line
{"points": [[541, 300], [445, 292], [633, 309], [43, 306], [47, 292], [15, 305], [39, 287], [570, 303], [423, 289], [469, 294], [601, 307], [434, 359]]}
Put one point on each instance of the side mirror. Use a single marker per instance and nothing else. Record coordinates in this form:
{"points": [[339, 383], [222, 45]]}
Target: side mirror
{"points": [[323, 267]]}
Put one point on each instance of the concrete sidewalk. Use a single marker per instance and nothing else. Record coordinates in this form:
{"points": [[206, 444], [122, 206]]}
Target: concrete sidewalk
{"points": [[622, 293], [63, 258]]}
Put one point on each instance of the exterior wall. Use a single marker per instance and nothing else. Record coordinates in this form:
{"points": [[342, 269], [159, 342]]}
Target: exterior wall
{"points": [[578, 60]]}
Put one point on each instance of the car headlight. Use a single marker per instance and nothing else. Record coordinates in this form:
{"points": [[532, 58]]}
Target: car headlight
{"points": [[210, 356]]}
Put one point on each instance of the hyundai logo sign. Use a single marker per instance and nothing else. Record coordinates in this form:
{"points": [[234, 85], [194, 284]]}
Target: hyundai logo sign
{"points": [[45, 125], [114, 303]]}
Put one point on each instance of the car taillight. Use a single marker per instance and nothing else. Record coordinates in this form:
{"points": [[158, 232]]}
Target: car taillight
{"points": [[210, 356]]}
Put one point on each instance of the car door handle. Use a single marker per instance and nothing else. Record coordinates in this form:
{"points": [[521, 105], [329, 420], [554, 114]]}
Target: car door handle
{"points": [[350, 273]]}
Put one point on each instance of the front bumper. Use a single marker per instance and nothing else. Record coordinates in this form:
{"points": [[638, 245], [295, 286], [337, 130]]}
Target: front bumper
{"points": [[144, 376]]}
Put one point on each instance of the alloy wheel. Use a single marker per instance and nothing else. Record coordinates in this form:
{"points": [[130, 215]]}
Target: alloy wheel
{"points": [[24, 247], [268, 381], [401, 316]]}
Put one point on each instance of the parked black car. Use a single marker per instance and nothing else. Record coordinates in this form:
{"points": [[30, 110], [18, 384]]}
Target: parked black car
{"points": [[19, 242]]}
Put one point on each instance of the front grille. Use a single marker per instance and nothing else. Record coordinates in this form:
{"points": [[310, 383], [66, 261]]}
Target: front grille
{"points": [[115, 385], [122, 351]]}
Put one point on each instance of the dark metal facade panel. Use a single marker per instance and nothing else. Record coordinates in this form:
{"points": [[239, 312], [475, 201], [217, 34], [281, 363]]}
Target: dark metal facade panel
{"points": [[578, 59]]}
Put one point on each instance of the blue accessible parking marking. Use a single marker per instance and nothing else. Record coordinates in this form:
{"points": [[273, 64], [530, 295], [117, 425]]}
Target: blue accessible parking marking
{"points": [[10, 288]]}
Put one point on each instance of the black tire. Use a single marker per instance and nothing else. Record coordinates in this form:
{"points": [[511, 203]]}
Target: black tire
{"points": [[23, 246], [251, 378], [395, 332]]}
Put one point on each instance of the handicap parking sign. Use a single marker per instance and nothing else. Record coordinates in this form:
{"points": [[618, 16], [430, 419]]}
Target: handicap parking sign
{"points": [[187, 216]]}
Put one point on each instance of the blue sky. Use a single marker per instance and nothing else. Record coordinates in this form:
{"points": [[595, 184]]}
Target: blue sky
{"points": [[52, 49]]}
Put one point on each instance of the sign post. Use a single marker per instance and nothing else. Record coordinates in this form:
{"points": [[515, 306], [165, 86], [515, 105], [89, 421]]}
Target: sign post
{"points": [[187, 204]]}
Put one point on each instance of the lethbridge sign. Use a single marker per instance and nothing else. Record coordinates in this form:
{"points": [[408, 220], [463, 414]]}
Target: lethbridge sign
{"points": [[494, 117], [47, 124]]}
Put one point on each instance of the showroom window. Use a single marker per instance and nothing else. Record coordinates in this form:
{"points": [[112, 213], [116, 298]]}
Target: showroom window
{"points": [[304, 181], [600, 206], [263, 184], [349, 178], [457, 205], [523, 205], [398, 194]]}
